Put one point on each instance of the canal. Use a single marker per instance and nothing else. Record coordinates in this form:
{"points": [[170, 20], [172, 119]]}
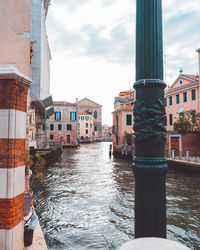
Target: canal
{"points": [[86, 201]]}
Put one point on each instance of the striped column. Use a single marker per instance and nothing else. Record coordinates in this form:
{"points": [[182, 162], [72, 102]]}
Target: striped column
{"points": [[13, 102]]}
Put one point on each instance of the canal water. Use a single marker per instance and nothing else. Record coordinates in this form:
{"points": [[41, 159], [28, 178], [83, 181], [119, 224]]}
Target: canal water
{"points": [[86, 201]]}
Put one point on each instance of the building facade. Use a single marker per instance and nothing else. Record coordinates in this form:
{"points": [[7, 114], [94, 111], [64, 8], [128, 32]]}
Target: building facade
{"points": [[106, 133], [124, 98], [86, 127], [40, 99], [14, 85], [122, 124], [62, 127], [86, 105], [182, 96]]}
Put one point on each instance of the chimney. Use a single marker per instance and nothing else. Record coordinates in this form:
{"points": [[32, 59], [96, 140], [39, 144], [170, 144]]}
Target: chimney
{"points": [[76, 99]]}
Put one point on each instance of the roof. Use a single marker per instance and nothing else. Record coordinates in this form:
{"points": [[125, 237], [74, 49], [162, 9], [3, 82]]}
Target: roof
{"points": [[126, 93], [191, 78], [128, 107], [87, 99], [85, 113], [63, 103]]}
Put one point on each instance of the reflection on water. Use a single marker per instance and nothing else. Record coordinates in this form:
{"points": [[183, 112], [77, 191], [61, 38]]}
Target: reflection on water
{"points": [[86, 201]]}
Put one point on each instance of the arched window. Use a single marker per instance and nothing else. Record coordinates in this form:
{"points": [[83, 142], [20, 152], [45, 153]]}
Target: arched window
{"points": [[95, 114]]}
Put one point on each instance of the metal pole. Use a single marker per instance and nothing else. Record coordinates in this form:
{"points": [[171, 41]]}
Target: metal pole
{"points": [[150, 166]]}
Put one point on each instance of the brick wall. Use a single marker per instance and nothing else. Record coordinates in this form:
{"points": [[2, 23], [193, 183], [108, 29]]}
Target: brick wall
{"points": [[190, 142]]}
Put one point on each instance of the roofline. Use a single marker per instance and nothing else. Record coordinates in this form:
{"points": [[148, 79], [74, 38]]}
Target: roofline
{"points": [[182, 88], [89, 100], [183, 76], [123, 109]]}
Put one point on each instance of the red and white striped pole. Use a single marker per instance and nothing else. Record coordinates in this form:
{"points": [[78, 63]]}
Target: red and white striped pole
{"points": [[13, 104]]}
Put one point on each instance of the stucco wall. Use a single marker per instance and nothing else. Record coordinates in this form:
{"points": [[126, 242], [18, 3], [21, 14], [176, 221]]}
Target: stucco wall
{"points": [[15, 34], [65, 119]]}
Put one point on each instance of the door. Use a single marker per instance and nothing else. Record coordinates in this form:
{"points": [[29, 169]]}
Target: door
{"points": [[175, 145], [68, 139]]}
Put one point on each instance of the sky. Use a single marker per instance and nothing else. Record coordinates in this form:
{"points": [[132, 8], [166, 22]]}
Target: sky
{"points": [[93, 47]]}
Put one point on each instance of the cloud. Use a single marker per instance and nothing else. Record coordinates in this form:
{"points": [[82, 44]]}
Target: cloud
{"points": [[103, 32], [181, 38], [119, 48], [108, 3], [70, 4]]}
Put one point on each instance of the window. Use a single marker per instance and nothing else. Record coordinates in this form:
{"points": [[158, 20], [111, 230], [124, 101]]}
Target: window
{"points": [[95, 128], [44, 126], [165, 122], [193, 94], [51, 137], [59, 126], [82, 117], [165, 102], [170, 120], [86, 125], [87, 118], [128, 120], [177, 99], [184, 96], [95, 114], [57, 116], [117, 122], [180, 82], [69, 127], [51, 126], [73, 116], [86, 131], [170, 100]]}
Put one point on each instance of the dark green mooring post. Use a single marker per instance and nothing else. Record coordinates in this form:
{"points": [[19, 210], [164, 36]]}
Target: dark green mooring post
{"points": [[150, 166]]}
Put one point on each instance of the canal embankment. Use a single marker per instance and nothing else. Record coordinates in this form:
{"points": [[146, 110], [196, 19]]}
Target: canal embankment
{"points": [[189, 164], [38, 241], [48, 154]]}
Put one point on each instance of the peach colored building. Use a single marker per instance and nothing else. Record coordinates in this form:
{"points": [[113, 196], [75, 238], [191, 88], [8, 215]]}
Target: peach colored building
{"points": [[183, 95], [86, 127], [63, 125], [14, 85], [85, 105], [123, 98], [122, 123], [122, 129], [15, 34]]}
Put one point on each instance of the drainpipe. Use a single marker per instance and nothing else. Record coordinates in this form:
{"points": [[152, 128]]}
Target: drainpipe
{"points": [[149, 165]]}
